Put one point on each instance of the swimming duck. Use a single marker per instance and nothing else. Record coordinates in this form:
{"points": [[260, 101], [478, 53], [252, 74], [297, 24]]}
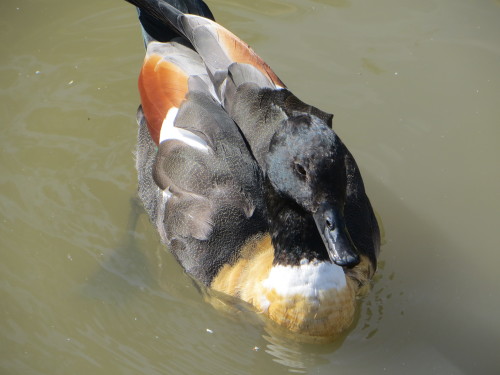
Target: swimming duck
{"points": [[249, 187]]}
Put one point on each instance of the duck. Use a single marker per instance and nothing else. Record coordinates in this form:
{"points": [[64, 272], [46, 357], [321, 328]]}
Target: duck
{"points": [[250, 188]]}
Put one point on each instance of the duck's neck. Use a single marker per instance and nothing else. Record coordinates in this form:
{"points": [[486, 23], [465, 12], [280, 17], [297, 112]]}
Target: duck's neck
{"points": [[293, 231]]}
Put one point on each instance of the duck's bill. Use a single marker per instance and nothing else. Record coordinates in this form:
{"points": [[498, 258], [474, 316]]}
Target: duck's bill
{"points": [[338, 242]]}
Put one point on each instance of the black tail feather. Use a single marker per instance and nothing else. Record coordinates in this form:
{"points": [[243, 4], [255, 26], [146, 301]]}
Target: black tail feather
{"points": [[159, 18]]}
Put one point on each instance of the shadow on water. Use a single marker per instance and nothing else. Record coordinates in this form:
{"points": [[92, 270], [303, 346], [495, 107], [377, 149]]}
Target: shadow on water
{"points": [[124, 268]]}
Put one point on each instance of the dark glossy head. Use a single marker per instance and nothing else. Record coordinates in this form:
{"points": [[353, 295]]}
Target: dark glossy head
{"points": [[306, 163]]}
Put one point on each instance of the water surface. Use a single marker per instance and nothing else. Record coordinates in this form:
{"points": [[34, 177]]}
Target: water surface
{"points": [[85, 288]]}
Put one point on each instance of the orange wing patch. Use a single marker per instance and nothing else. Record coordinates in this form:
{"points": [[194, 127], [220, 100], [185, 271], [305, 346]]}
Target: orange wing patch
{"points": [[162, 85], [241, 52]]}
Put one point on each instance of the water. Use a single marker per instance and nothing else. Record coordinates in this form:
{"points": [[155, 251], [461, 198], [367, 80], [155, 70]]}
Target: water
{"points": [[414, 87]]}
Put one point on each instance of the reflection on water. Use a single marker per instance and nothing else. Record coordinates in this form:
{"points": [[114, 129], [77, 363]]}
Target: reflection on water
{"points": [[299, 357], [286, 354], [86, 287]]}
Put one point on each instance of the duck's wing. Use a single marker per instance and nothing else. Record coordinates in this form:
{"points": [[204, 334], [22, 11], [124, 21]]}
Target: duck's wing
{"points": [[209, 200], [173, 76], [208, 186]]}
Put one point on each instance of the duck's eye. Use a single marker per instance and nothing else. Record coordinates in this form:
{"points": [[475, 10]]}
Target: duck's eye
{"points": [[300, 170]]}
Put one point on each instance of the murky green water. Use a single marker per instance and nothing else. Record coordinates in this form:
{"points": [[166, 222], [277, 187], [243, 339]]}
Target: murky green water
{"points": [[415, 89]]}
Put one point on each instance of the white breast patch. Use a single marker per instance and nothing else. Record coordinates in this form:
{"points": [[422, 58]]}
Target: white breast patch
{"points": [[307, 279]]}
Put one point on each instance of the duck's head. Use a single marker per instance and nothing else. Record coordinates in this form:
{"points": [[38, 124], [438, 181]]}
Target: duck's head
{"points": [[306, 164]]}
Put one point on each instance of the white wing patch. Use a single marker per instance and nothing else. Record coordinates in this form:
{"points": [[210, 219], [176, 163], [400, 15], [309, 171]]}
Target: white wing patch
{"points": [[308, 279], [169, 131]]}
